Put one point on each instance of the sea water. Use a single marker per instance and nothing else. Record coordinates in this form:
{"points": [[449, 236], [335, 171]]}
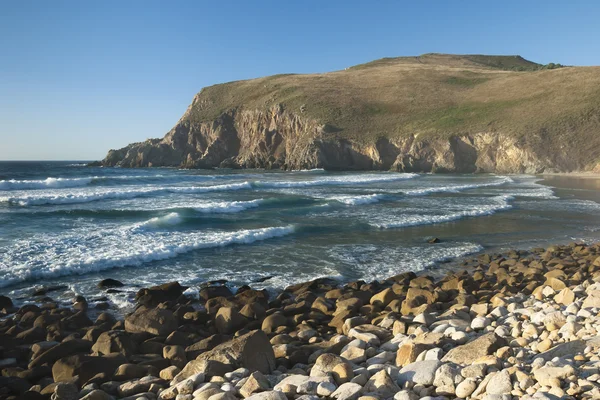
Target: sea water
{"points": [[68, 225]]}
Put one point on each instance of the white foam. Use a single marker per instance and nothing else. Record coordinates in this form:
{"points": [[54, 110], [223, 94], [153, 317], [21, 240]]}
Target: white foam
{"points": [[56, 183], [339, 180], [161, 222], [44, 257], [384, 261], [47, 183], [498, 203], [228, 206], [310, 170], [456, 188], [357, 200], [89, 196]]}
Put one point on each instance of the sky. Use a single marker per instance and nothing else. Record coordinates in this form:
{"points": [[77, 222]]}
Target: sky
{"points": [[78, 78]]}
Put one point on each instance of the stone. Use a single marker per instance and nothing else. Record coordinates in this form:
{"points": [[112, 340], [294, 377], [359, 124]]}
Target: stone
{"points": [[109, 283], [564, 349], [97, 394], [355, 355], [383, 298], [255, 383], [169, 373], [465, 388], [127, 372], [228, 320], [115, 342], [406, 395], [419, 372], [499, 383], [592, 300], [273, 321], [209, 292], [467, 353], [194, 350], [155, 321], [61, 350], [65, 391], [382, 384], [445, 377], [342, 373], [552, 376], [326, 389], [554, 320], [175, 354], [155, 295], [347, 391], [67, 367], [565, 297], [408, 352], [325, 364], [252, 350], [270, 395]]}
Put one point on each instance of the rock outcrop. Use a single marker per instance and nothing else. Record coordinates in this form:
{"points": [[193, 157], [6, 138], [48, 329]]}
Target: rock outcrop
{"points": [[484, 121]]}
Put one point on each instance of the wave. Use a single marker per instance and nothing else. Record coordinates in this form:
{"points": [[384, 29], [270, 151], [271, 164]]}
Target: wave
{"points": [[501, 203], [309, 170], [160, 222], [48, 183], [56, 183], [86, 197], [357, 200], [44, 258], [338, 180], [456, 188], [228, 206]]}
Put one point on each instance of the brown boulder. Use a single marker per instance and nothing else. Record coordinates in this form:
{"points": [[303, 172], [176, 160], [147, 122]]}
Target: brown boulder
{"points": [[228, 320], [482, 346], [252, 350], [156, 321], [61, 350], [115, 342]]}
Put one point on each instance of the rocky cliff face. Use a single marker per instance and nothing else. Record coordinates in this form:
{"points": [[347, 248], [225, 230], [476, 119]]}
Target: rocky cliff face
{"points": [[278, 139]]}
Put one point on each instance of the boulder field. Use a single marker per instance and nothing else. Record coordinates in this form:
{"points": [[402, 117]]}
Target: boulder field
{"points": [[517, 325]]}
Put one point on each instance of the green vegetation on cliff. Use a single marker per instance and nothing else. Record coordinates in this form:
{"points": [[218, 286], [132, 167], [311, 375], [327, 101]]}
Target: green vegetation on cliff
{"points": [[544, 108]]}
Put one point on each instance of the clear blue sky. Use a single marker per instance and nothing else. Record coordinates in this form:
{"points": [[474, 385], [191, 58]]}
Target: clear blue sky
{"points": [[80, 77]]}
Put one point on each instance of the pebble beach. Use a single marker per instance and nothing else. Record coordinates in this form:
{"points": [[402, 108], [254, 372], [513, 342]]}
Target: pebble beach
{"points": [[517, 325]]}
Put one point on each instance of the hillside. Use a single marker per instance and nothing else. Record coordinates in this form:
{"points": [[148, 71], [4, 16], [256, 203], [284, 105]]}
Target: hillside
{"points": [[435, 112]]}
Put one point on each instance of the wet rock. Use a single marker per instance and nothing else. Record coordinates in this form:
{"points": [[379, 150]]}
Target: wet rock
{"points": [[109, 283], [155, 295], [210, 292]]}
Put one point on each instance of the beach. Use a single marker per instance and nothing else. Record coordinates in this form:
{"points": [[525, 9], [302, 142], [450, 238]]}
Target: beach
{"points": [[521, 324]]}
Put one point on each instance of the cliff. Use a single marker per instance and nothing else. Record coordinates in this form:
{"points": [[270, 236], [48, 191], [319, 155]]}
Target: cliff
{"points": [[438, 113]]}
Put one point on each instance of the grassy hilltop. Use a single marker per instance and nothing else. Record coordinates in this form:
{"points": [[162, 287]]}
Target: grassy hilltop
{"points": [[431, 96]]}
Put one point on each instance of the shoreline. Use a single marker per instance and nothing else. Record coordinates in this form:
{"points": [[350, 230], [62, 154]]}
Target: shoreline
{"points": [[522, 324]]}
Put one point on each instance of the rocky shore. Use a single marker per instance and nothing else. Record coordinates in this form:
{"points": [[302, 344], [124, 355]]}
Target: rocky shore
{"points": [[519, 325]]}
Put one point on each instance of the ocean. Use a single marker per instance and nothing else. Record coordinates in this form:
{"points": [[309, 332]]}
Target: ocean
{"points": [[66, 226]]}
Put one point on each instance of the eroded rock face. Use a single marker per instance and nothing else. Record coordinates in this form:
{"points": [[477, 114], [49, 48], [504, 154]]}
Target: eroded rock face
{"points": [[278, 139]]}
